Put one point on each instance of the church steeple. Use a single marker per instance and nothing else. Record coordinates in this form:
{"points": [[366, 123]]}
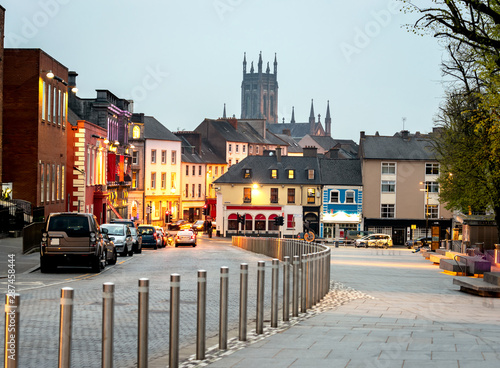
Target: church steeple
{"points": [[312, 122], [328, 121], [260, 62], [275, 66], [244, 63], [293, 116], [251, 67], [267, 69]]}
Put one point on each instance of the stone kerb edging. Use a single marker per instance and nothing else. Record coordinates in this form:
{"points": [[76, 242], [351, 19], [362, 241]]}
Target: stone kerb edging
{"points": [[338, 295]]}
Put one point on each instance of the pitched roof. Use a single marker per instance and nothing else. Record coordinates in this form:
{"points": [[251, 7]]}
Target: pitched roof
{"points": [[398, 147], [297, 130], [340, 172], [261, 166], [209, 155], [153, 129], [293, 146]]}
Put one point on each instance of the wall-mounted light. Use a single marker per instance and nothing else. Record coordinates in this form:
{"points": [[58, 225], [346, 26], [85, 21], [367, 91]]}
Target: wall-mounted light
{"points": [[116, 143], [49, 74], [74, 89], [132, 146]]}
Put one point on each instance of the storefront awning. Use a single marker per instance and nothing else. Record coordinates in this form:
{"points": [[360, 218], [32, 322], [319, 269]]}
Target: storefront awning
{"points": [[341, 218]]}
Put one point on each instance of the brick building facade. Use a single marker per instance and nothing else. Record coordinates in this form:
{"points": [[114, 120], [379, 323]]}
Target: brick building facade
{"points": [[34, 130]]}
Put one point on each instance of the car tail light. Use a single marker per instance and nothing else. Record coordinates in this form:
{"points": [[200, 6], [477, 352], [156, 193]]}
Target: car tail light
{"points": [[193, 236], [93, 240], [44, 239]]}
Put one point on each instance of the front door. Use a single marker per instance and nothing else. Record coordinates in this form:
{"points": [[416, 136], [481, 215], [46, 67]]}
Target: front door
{"points": [[398, 236]]}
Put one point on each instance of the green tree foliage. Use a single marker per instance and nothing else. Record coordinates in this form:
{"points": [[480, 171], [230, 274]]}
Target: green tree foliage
{"points": [[468, 143]]}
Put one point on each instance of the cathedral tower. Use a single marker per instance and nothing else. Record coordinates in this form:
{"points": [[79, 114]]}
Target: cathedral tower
{"points": [[259, 92]]}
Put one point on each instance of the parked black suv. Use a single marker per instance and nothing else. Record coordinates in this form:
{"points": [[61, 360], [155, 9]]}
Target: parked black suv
{"points": [[73, 238]]}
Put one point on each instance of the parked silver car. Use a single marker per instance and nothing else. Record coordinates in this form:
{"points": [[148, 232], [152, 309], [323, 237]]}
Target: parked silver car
{"points": [[374, 240], [122, 238]]}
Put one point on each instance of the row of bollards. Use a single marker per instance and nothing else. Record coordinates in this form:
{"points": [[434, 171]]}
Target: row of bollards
{"points": [[310, 282]]}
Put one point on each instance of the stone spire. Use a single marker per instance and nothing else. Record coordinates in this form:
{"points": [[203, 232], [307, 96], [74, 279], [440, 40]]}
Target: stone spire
{"points": [[328, 121], [224, 113], [260, 62], [293, 115], [244, 63]]}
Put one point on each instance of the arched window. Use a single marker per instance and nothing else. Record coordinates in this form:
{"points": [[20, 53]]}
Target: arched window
{"points": [[136, 132], [232, 222], [260, 222]]}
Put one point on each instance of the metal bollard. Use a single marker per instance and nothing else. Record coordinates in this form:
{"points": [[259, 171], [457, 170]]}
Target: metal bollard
{"points": [[201, 319], [142, 329], [286, 288], [295, 288], [65, 327], [224, 280], [309, 282], [12, 319], [173, 353], [314, 279], [274, 292], [303, 291], [108, 307], [261, 267], [243, 301]]}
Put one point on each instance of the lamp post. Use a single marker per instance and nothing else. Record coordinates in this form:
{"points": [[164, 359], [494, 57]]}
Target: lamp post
{"points": [[426, 190]]}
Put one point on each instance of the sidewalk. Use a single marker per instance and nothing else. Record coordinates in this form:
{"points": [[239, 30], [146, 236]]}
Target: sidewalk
{"points": [[406, 314], [23, 263]]}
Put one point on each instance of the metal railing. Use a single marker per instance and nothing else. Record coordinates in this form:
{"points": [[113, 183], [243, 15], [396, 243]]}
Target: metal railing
{"points": [[310, 267]]}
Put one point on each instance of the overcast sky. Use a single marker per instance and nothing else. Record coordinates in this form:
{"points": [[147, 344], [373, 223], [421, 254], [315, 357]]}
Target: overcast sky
{"points": [[180, 61]]}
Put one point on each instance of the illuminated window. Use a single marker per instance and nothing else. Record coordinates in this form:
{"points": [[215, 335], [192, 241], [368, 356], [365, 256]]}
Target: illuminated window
{"points": [[58, 182], [247, 173], [247, 195], [136, 132], [310, 174], [274, 174], [311, 193], [44, 102], [53, 182], [62, 182], [134, 180], [172, 180], [291, 174]]}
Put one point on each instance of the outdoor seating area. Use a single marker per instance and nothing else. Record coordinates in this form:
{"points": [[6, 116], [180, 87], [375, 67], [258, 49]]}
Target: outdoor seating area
{"points": [[477, 272]]}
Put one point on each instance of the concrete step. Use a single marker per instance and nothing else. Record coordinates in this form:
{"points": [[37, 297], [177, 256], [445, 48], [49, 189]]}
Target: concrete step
{"points": [[492, 278], [477, 286], [452, 266], [436, 258], [441, 251]]}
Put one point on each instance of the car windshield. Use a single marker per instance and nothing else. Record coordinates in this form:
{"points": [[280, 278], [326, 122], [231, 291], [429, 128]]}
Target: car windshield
{"points": [[133, 231], [71, 225], [114, 229], [146, 231]]}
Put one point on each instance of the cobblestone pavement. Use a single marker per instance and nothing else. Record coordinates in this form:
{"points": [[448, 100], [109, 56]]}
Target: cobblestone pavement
{"points": [[388, 308], [40, 303]]}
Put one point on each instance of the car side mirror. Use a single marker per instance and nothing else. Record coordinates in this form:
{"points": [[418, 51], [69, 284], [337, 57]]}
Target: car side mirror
{"points": [[111, 238]]}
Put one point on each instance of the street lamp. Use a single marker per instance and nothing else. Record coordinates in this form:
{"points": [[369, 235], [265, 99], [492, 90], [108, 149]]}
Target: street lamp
{"points": [[426, 190]]}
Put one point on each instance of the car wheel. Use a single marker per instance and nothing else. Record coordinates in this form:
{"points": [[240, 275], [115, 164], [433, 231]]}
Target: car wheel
{"points": [[125, 251], [140, 249], [155, 247], [131, 252], [45, 265], [96, 263], [114, 259]]}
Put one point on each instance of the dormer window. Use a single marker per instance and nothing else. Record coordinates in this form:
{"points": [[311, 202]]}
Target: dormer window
{"points": [[274, 174], [136, 132], [291, 174], [310, 174], [247, 173]]}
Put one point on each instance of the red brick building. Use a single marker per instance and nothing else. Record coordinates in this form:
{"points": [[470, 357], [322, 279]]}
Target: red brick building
{"points": [[35, 128]]}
